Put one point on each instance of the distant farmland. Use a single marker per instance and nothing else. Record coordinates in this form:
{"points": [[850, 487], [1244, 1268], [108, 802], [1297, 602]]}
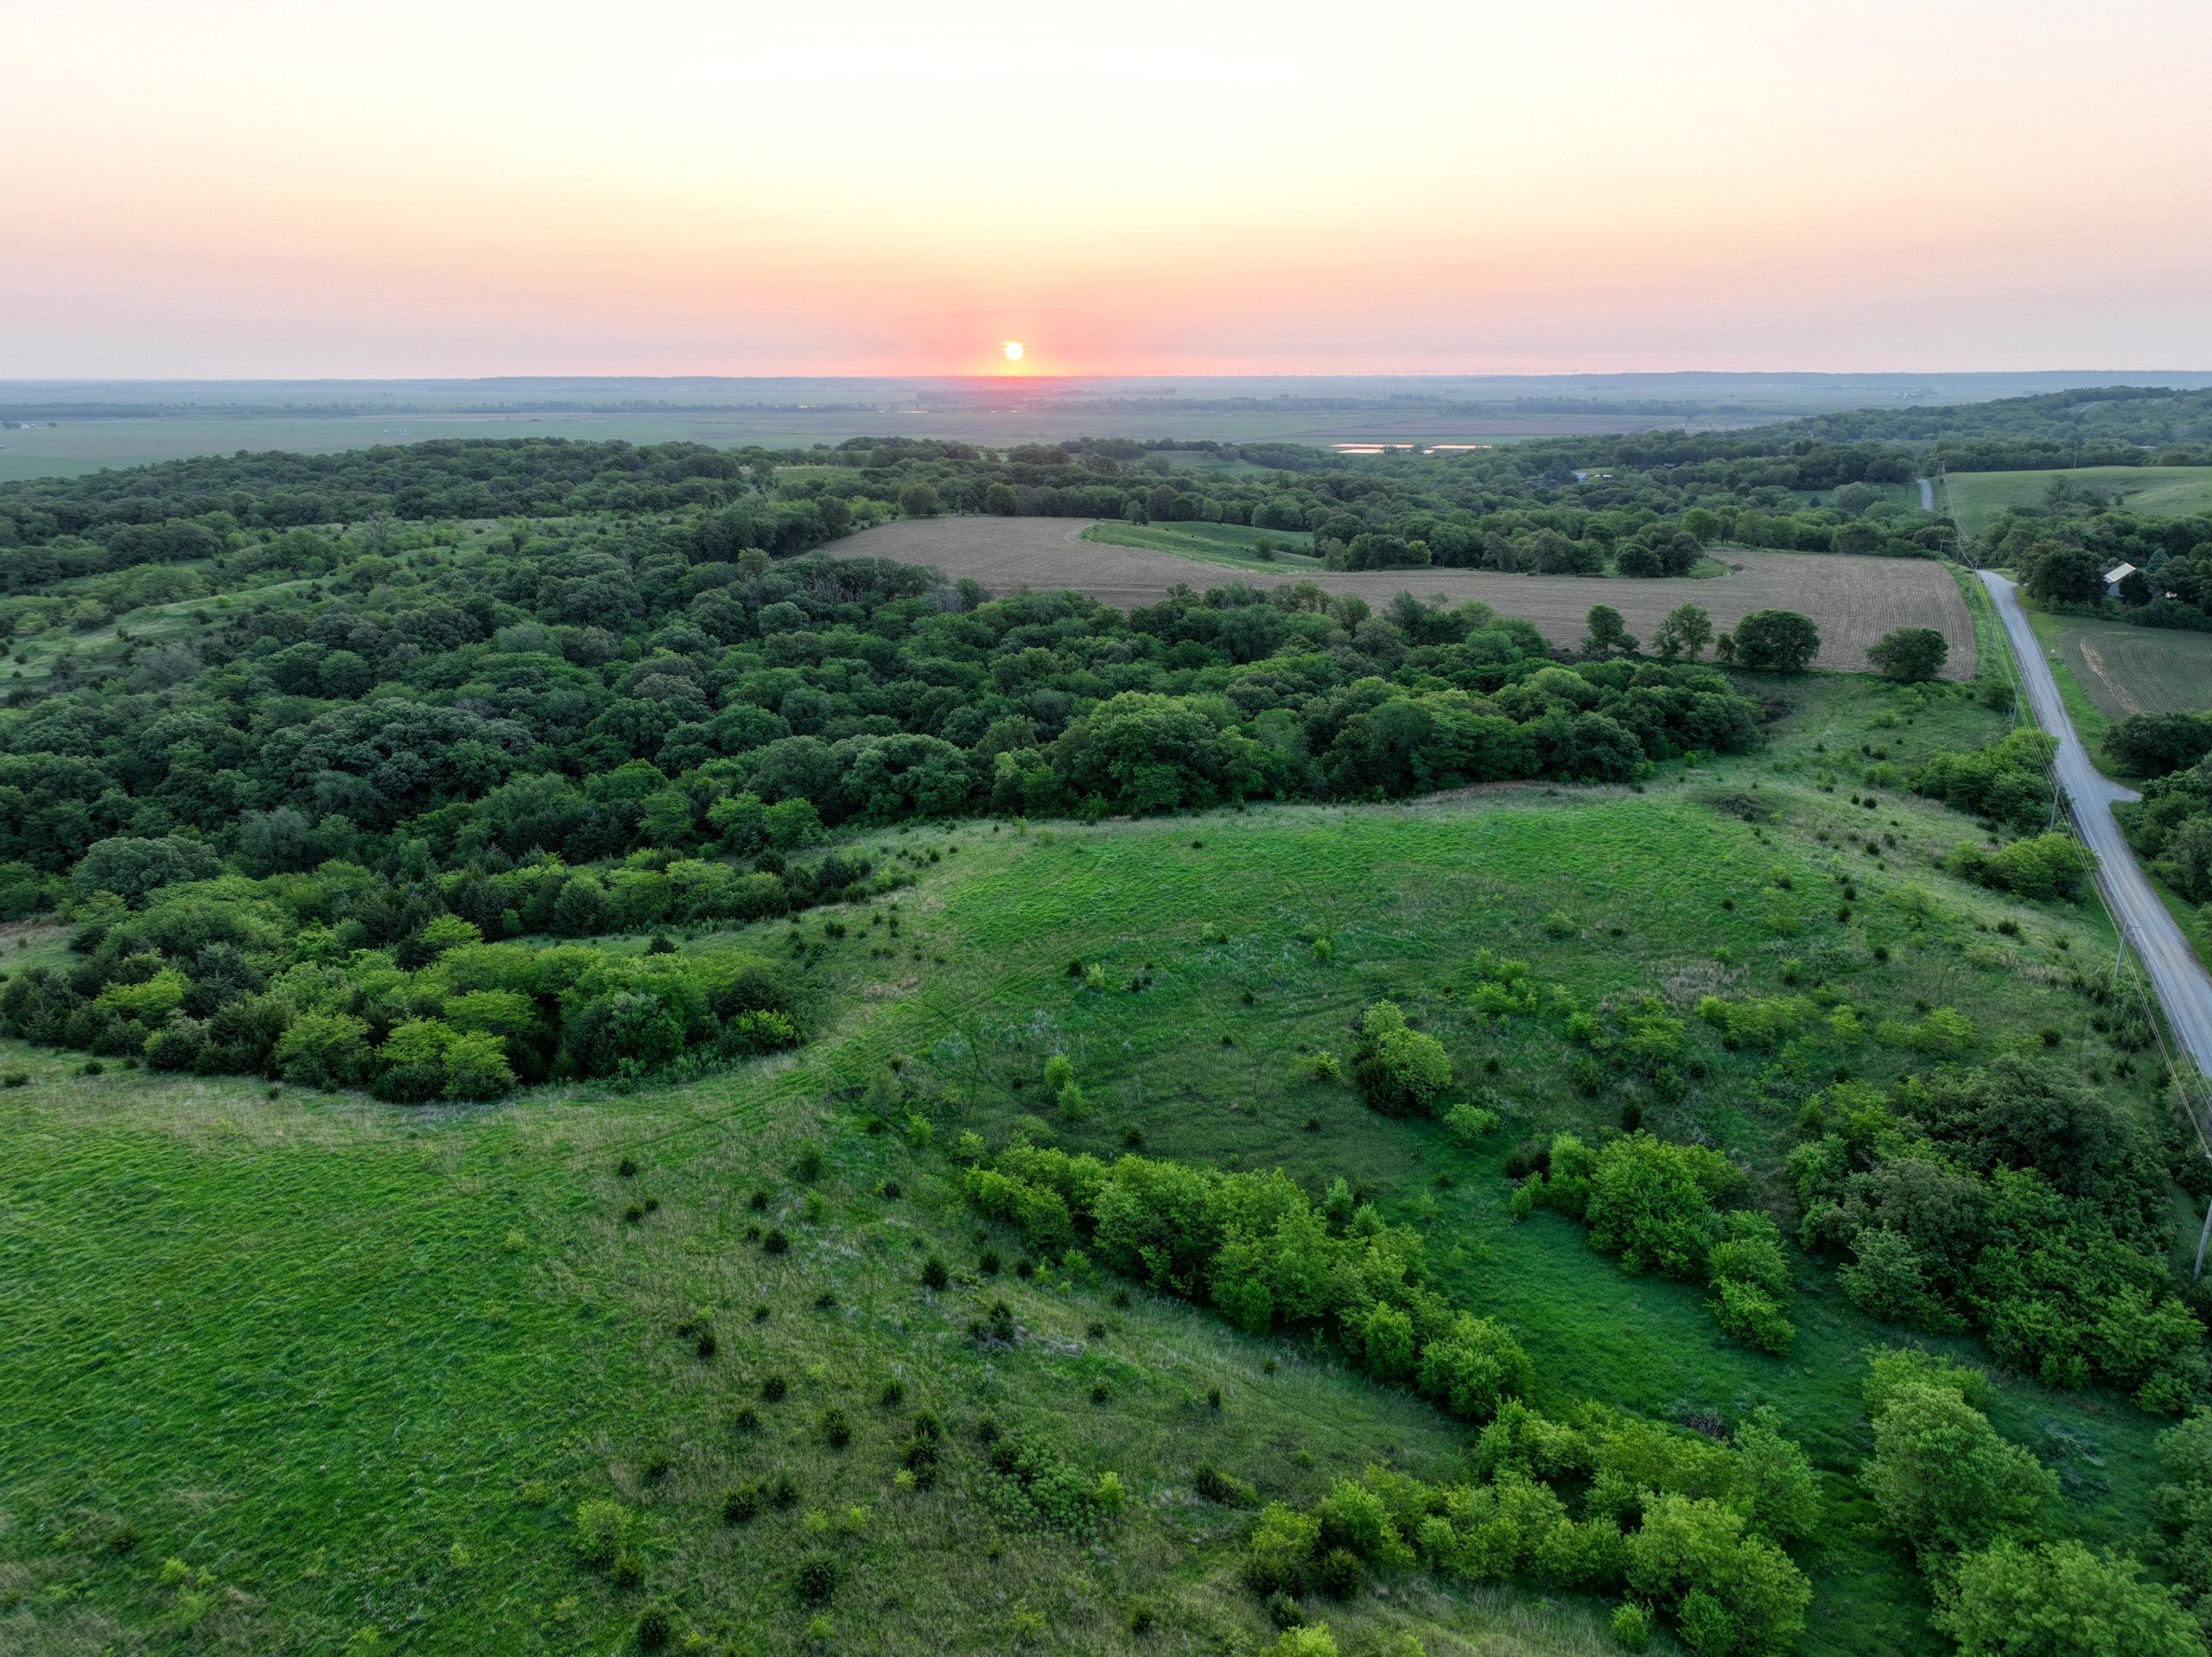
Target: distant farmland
{"points": [[2152, 491], [1854, 601]]}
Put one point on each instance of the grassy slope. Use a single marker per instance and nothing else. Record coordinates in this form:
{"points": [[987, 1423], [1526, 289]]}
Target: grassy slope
{"points": [[1229, 544], [2157, 491], [309, 1345]]}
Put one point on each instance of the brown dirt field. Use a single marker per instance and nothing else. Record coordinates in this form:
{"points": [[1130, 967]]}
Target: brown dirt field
{"points": [[1853, 600]]}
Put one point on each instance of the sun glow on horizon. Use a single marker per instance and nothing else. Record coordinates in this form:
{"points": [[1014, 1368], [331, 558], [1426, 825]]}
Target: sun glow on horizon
{"points": [[281, 192]]}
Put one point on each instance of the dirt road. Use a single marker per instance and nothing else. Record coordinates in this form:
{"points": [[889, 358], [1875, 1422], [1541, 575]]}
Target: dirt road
{"points": [[1853, 600]]}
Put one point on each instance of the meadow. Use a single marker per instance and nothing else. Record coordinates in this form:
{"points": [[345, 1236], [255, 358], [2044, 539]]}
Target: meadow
{"points": [[301, 1372], [1978, 497]]}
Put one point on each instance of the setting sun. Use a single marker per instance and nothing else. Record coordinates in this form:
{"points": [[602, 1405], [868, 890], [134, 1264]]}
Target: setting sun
{"points": [[1014, 350]]}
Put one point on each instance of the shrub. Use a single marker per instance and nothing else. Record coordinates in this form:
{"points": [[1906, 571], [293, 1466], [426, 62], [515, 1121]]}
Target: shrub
{"points": [[1941, 1477], [2060, 1599], [1400, 1071], [1909, 655], [1217, 1486], [935, 1274], [602, 1527], [654, 1628], [1469, 1125], [1775, 641], [1279, 1558], [836, 1428], [1632, 1626], [1474, 1367], [815, 1580]]}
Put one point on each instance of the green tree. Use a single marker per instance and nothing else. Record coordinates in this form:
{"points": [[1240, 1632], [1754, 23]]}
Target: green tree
{"points": [[1909, 655], [1001, 499], [2061, 1601], [1609, 634], [1399, 1070], [1941, 1478], [1474, 1368], [1686, 632], [919, 500], [1776, 641]]}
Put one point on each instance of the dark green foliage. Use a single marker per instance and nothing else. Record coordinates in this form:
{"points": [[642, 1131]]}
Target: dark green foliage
{"points": [[815, 1580], [934, 1274], [1400, 1072], [1775, 641], [2154, 744], [2060, 1600], [1909, 655], [2012, 1199], [1217, 1486], [1657, 1206], [2008, 782]]}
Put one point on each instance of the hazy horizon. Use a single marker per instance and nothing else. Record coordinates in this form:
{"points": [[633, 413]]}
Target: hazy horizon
{"points": [[240, 191]]}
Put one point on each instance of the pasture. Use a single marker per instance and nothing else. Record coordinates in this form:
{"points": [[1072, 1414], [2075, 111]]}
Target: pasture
{"points": [[1976, 498], [1854, 601], [353, 1367]]}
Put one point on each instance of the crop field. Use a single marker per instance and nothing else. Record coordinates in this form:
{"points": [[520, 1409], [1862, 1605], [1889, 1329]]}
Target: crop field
{"points": [[2122, 669], [1854, 601], [2153, 490], [301, 1372]]}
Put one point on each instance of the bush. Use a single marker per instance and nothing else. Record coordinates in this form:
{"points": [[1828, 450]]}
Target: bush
{"points": [[1475, 1366], [1908, 655], [1217, 1486], [1941, 1479], [602, 1527], [1775, 641], [815, 1580], [1632, 1626], [2060, 1600], [1469, 1125], [1398, 1070]]}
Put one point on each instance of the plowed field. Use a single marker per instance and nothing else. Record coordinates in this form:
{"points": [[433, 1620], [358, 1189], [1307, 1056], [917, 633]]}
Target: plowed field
{"points": [[1853, 600]]}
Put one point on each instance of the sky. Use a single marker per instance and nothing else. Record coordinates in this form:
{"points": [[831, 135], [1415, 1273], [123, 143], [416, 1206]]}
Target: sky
{"points": [[263, 188]]}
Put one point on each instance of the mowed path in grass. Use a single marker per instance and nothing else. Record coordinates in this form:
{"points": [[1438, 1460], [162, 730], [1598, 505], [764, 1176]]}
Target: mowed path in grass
{"points": [[1854, 601]]}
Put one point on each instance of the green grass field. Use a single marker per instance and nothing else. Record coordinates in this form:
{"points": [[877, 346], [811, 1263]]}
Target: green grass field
{"points": [[1235, 546], [355, 1365], [2157, 491]]}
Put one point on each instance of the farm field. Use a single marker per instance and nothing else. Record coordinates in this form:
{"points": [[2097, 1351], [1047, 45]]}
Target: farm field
{"points": [[2155, 491], [354, 1366], [1854, 601], [2124, 669]]}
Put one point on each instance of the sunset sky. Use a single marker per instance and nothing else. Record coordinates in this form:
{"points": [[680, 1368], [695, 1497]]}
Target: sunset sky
{"points": [[247, 188]]}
